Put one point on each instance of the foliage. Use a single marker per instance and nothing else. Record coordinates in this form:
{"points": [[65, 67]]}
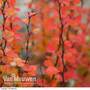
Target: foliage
{"points": [[51, 42]]}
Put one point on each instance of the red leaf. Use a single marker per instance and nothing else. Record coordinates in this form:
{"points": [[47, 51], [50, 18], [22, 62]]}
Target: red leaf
{"points": [[50, 71]]}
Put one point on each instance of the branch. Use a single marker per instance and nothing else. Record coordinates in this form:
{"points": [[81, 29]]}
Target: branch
{"points": [[61, 42], [28, 34], [3, 45]]}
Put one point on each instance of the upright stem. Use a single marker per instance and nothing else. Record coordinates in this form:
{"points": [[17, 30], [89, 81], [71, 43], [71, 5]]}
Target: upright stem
{"points": [[28, 36], [61, 44], [11, 23], [3, 45], [61, 41]]}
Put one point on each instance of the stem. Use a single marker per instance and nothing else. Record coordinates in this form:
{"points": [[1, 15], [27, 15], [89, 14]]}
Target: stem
{"points": [[4, 21], [61, 41], [28, 35], [11, 24], [61, 44]]}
